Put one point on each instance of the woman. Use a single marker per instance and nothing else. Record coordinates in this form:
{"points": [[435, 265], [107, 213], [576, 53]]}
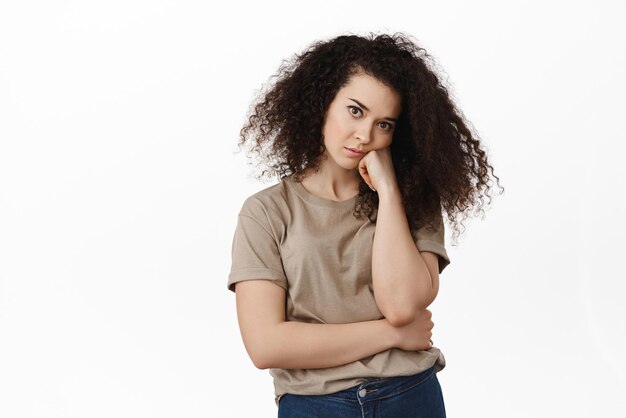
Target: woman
{"points": [[334, 267]]}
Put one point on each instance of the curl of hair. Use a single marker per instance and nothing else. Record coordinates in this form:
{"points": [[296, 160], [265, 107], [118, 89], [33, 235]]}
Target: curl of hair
{"points": [[438, 159]]}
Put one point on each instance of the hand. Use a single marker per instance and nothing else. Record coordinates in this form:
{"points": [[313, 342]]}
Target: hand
{"points": [[416, 335], [376, 168]]}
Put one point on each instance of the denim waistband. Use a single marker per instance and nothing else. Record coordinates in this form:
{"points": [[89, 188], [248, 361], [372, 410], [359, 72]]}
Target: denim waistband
{"points": [[382, 387]]}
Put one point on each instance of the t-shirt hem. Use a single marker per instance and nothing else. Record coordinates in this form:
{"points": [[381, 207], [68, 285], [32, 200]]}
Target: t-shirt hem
{"points": [[256, 274], [435, 247]]}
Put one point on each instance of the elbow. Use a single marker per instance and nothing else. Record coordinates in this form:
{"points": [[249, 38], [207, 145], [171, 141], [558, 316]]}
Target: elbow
{"points": [[400, 319], [262, 347], [259, 359], [258, 352], [398, 315], [259, 364]]}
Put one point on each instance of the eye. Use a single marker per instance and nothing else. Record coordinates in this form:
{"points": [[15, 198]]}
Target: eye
{"points": [[388, 125], [351, 108]]}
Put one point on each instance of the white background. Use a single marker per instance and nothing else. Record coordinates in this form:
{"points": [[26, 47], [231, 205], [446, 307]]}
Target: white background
{"points": [[120, 188]]}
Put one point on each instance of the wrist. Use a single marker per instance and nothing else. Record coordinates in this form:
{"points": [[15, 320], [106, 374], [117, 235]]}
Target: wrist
{"points": [[390, 333], [388, 190], [389, 193]]}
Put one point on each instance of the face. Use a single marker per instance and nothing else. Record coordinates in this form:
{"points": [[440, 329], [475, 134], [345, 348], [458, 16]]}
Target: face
{"points": [[362, 117]]}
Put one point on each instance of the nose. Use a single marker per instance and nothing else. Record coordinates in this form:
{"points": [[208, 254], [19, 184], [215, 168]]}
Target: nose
{"points": [[363, 135]]}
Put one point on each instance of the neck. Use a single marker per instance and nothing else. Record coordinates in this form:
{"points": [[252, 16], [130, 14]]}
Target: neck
{"points": [[338, 184]]}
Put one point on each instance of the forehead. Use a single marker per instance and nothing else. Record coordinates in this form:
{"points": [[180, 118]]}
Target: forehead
{"points": [[370, 91]]}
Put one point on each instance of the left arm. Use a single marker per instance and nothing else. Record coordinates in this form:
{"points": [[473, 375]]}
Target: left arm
{"points": [[405, 280]]}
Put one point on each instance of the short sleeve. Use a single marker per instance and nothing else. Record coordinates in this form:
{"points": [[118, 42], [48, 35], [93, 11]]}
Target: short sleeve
{"points": [[433, 240], [255, 251]]}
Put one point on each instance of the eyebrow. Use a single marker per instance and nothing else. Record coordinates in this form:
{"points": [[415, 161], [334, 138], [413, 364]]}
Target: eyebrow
{"points": [[365, 107]]}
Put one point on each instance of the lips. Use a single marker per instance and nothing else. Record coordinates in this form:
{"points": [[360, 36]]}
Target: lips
{"points": [[356, 151]]}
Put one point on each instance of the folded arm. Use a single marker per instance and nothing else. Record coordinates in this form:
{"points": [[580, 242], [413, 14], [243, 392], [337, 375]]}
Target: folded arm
{"points": [[273, 342]]}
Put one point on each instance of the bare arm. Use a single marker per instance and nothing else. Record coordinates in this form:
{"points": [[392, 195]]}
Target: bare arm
{"points": [[405, 280], [273, 342]]}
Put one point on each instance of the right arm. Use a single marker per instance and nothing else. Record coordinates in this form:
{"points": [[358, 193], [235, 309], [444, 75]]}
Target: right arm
{"points": [[273, 342]]}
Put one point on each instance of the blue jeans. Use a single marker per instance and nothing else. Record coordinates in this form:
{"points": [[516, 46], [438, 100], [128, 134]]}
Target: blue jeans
{"points": [[416, 396]]}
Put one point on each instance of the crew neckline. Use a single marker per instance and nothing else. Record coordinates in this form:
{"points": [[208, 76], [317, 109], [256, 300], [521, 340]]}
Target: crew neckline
{"points": [[317, 200]]}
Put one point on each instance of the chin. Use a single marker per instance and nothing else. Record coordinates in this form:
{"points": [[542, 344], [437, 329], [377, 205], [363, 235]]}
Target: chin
{"points": [[349, 166]]}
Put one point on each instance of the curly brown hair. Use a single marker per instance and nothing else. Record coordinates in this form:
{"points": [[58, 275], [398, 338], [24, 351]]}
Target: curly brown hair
{"points": [[437, 156]]}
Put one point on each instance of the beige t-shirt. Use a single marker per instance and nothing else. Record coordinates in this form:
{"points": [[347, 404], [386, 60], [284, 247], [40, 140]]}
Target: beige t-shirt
{"points": [[321, 255]]}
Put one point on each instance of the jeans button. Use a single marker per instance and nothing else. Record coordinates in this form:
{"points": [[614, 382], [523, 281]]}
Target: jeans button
{"points": [[362, 393]]}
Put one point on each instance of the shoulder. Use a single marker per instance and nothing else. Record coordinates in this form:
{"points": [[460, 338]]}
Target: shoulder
{"points": [[266, 202]]}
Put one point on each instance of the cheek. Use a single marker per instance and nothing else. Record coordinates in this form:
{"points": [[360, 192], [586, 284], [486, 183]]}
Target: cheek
{"points": [[336, 127], [385, 141]]}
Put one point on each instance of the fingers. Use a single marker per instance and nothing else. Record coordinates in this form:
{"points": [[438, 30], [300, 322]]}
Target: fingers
{"points": [[365, 175]]}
